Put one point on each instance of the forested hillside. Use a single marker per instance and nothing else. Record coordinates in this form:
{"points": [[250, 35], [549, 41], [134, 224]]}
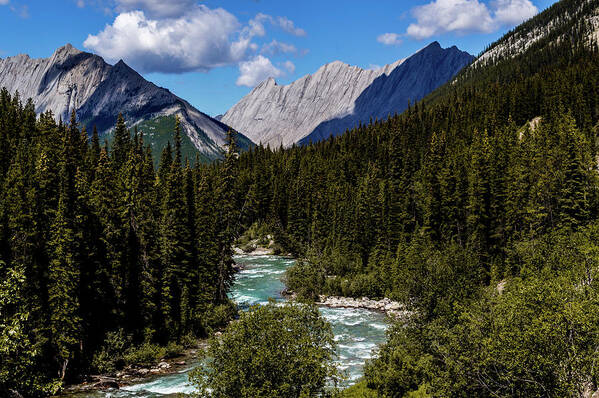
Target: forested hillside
{"points": [[482, 168], [477, 208], [102, 259]]}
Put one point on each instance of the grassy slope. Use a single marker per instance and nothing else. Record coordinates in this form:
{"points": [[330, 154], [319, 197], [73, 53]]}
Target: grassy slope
{"points": [[159, 131]]}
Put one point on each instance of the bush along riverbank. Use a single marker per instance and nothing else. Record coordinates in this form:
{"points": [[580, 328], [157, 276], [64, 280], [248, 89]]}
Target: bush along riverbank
{"points": [[154, 364], [258, 240], [120, 363]]}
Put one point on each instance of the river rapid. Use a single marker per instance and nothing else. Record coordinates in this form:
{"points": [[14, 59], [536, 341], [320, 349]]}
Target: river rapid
{"points": [[357, 331]]}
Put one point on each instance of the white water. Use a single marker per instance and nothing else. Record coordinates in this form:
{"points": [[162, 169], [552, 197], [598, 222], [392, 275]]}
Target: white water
{"points": [[357, 331]]}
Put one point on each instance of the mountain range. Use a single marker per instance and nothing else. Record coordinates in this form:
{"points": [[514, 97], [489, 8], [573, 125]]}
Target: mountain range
{"points": [[339, 96], [73, 80]]}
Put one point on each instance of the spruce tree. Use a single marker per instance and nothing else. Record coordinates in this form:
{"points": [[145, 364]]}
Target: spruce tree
{"points": [[121, 142], [228, 218]]}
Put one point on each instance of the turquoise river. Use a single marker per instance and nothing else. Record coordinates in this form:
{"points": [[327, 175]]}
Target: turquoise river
{"points": [[357, 332]]}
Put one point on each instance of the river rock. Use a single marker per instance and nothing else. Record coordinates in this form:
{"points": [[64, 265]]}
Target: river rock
{"points": [[106, 384], [391, 308], [164, 365]]}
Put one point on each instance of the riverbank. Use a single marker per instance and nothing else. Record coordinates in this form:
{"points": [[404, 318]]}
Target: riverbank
{"points": [[256, 251], [259, 278], [136, 374], [164, 367], [391, 308]]}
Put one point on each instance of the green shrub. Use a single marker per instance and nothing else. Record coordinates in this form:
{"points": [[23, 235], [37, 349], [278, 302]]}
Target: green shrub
{"points": [[173, 350], [258, 231], [189, 341], [216, 317], [109, 357], [283, 351], [277, 249], [248, 247], [147, 354], [305, 279], [358, 390], [364, 285], [332, 286]]}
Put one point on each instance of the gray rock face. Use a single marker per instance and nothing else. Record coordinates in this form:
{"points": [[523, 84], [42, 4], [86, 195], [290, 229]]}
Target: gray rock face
{"points": [[74, 80], [339, 96]]}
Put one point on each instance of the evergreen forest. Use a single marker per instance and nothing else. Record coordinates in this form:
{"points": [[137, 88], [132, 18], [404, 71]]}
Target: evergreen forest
{"points": [[104, 259], [477, 209]]}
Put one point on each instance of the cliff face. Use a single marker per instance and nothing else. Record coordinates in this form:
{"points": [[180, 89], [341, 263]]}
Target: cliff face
{"points": [[59, 84], [339, 96], [74, 80]]}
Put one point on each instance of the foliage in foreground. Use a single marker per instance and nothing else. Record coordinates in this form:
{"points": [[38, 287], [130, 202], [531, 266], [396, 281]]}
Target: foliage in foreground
{"points": [[282, 351], [537, 335]]}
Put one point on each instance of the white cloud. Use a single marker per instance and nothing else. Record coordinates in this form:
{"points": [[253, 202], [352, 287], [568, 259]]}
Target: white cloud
{"points": [[157, 8], [276, 47], [22, 11], [462, 16], [289, 66], [184, 36], [282, 22], [256, 70], [4, 2], [389, 39], [288, 26], [443, 16], [80, 3], [513, 12], [199, 41]]}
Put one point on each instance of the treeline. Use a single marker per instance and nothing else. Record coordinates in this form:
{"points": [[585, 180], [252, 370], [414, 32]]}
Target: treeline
{"points": [[466, 171], [95, 246], [477, 208]]}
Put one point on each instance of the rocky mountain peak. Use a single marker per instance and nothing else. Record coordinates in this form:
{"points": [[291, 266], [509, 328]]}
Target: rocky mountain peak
{"points": [[71, 79], [339, 96], [67, 50]]}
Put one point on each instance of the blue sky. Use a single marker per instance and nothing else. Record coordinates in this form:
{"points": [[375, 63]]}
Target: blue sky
{"points": [[212, 53]]}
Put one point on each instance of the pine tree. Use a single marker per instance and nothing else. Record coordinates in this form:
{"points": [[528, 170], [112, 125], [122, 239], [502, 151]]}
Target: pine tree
{"points": [[478, 194], [63, 287], [175, 243], [121, 143], [228, 218], [577, 181]]}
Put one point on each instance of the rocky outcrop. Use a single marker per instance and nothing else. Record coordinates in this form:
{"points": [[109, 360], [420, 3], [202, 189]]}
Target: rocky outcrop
{"points": [[391, 308], [339, 96], [75, 80]]}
